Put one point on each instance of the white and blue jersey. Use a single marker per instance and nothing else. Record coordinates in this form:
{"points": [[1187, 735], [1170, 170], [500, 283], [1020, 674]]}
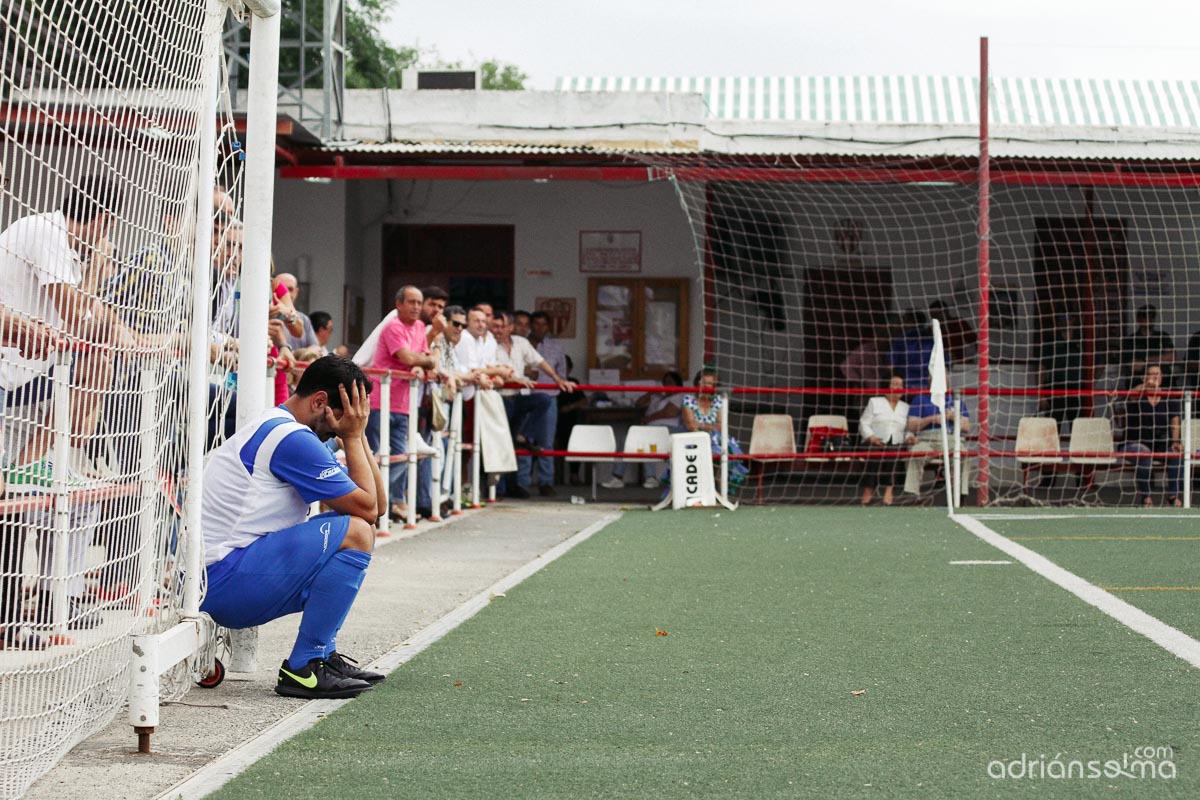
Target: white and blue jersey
{"points": [[263, 480]]}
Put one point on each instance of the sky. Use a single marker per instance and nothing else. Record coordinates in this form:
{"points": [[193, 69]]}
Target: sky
{"points": [[1028, 38]]}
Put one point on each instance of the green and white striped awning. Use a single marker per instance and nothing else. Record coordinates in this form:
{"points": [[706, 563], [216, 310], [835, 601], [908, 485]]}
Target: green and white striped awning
{"points": [[928, 100]]}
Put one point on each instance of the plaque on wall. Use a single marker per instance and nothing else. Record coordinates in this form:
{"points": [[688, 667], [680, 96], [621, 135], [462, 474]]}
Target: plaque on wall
{"points": [[610, 251]]}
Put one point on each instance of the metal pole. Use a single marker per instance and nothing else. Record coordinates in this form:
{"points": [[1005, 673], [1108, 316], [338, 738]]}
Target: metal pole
{"points": [[259, 199], [985, 233], [724, 445], [1188, 446], [958, 466], [61, 422], [385, 447], [414, 402], [456, 413], [326, 69], [198, 344], [475, 457]]}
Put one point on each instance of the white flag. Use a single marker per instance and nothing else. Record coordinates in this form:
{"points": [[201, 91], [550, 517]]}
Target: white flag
{"points": [[937, 369]]}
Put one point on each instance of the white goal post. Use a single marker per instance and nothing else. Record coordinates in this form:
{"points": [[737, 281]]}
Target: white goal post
{"points": [[122, 199]]}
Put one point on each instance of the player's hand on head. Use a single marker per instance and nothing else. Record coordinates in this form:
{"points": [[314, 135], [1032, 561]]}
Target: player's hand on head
{"points": [[351, 422]]}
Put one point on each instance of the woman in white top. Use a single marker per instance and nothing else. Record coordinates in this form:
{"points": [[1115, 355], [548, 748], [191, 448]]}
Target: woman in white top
{"points": [[884, 427]]}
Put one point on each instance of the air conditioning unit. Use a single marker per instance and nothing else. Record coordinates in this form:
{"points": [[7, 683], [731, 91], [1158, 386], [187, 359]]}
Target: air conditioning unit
{"points": [[414, 78]]}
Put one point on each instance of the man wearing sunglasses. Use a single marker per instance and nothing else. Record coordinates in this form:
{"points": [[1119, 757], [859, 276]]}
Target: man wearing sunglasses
{"points": [[454, 375]]}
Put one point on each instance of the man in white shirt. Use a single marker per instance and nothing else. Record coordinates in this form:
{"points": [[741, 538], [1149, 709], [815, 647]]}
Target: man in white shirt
{"points": [[265, 557], [532, 417], [475, 352], [41, 266]]}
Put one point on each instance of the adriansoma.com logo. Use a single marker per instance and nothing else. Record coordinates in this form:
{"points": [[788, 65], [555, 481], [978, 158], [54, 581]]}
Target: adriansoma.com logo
{"points": [[1144, 763]]}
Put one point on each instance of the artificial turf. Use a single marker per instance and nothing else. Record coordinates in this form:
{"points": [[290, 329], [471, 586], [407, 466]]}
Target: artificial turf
{"points": [[1151, 563], [809, 653]]}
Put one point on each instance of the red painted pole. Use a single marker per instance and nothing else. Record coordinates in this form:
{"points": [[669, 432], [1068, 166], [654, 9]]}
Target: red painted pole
{"points": [[985, 277], [710, 281]]}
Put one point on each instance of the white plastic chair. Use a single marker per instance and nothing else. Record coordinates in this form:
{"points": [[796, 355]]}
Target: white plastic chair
{"points": [[772, 435], [1091, 435], [832, 421], [592, 439], [1037, 436]]}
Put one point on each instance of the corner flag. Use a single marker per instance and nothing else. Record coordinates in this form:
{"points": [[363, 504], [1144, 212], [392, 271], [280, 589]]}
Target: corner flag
{"points": [[937, 369], [937, 395]]}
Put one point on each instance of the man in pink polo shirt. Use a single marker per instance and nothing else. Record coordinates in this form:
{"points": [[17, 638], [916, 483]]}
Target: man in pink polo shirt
{"points": [[402, 346]]}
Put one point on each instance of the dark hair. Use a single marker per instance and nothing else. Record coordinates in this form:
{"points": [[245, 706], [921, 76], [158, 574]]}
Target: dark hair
{"points": [[320, 319], [676, 378], [1148, 311], [327, 373], [450, 311], [1151, 366], [897, 374], [539, 315], [91, 197], [704, 371], [435, 293], [507, 316], [520, 312]]}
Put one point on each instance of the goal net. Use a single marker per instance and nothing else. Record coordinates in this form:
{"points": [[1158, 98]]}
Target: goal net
{"points": [[819, 276], [99, 156]]}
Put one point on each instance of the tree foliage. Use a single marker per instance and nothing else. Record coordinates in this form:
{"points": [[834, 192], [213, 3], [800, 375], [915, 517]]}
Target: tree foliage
{"points": [[372, 62]]}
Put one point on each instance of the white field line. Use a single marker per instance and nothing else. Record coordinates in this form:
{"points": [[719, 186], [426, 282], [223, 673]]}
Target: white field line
{"points": [[1170, 639], [978, 563], [1068, 515], [212, 777]]}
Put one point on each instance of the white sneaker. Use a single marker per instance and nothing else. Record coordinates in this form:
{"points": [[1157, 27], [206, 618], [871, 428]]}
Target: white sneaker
{"points": [[424, 449], [650, 483], [613, 483]]}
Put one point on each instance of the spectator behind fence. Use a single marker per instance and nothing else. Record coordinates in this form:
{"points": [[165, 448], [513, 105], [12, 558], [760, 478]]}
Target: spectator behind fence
{"points": [[1151, 425], [434, 303], [702, 412], [402, 346], [475, 352], [884, 426], [42, 257], [925, 421], [322, 322], [658, 408], [300, 332], [523, 324], [265, 558], [531, 417], [1146, 345]]}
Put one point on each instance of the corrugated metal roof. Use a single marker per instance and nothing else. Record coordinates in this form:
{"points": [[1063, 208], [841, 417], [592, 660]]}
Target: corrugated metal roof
{"points": [[479, 148], [927, 99]]}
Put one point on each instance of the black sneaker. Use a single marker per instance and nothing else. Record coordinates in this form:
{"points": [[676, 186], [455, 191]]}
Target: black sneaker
{"points": [[350, 669], [317, 681], [518, 493]]}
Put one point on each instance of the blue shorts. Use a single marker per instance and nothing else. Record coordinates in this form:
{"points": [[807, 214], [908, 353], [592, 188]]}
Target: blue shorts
{"points": [[271, 578]]}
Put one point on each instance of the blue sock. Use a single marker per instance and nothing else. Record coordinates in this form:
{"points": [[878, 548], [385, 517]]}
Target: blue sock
{"points": [[329, 600]]}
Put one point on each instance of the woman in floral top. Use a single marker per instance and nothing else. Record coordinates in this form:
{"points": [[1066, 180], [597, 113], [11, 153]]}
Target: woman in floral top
{"points": [[702, 412]]}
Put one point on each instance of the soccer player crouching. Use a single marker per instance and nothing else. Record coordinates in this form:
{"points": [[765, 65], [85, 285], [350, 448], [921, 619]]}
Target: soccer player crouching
{"points": [[265, 558]]}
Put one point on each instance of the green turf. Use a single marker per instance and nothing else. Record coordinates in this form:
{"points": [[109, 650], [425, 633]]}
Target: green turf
{"points": [[774, 617], [1118, 552]]}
